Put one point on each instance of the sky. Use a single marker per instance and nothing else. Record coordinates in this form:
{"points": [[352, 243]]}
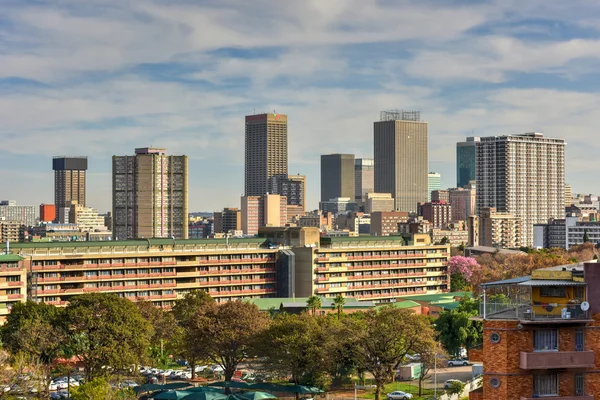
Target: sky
{"points": [[99, 78]]}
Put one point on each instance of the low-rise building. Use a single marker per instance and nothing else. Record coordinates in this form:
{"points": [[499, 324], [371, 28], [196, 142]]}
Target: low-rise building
{"points": [[230, 219], [12, 283], [10, 211], [454, 237], [11, 231], [375, 202], [386, 223], [415, 225], [439, 213], [500, 229], [316, 219], [565, 233]]}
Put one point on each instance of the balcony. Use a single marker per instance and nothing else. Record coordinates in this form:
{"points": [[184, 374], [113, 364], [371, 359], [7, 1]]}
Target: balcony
{"points": [[553, 313], [557, 359]]}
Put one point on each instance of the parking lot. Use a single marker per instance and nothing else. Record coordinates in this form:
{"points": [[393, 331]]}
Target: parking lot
{"points": [[462, 373]]}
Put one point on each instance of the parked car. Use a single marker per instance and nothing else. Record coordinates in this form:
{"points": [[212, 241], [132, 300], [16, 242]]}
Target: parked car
{"points": [[399, 395], [457, 361], [128, 384], [216, 368], [449, 382], [60, 395]]}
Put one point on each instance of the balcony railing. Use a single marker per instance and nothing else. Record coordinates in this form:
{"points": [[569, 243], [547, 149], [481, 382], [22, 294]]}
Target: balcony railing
{"points": [[557, 359], [551, 312]]}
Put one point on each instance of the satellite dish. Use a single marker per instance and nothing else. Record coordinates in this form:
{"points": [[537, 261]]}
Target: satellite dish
{"points": [[585, 306]]}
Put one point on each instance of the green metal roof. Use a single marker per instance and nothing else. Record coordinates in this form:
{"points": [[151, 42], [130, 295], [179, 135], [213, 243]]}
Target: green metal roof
{"points": [[4, 258], [266, 304], [402, 304], [134, 243], [438, 298], [369, 238]]}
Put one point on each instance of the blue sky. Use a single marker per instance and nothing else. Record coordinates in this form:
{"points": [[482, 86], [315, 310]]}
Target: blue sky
{"points": [[99, 78]]}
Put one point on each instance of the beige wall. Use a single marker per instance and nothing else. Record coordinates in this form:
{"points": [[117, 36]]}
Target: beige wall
{"points": [[305, 267]]}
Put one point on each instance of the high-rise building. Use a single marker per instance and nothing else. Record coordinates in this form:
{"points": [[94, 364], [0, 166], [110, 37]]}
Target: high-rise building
{"points": [[466, 161], [401, 164], [463, 202], [337, 176], [500, 229], [434, 182], [294, 189], [47, 212], [266, 152], [523, 175], [364, 178], [440, 195], [438, 213], [228, 220], [259, 211], [69, 181], [10, 211], [150, 195], [568, 195]]}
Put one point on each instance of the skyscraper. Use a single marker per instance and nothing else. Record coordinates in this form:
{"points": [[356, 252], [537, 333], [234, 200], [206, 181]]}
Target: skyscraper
{"points": [[337, 176], [465, 161], [434, 182], [69, 181], [150, 195], [364, 178], [401, 163], [266, 152], [523, 175]]}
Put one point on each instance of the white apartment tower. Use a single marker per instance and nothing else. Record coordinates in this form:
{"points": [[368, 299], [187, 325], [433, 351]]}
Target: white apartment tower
{"points": [[523, 175]]}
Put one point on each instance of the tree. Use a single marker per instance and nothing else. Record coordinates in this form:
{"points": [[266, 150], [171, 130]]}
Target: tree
{"points": [[297, 346], [163, 323], [338, 304], [314, 304], [460, 269], [457, 330], [430, 357], [456, 388], [184, 312], [107, 332], [100, 389], [228, 333], [35, 330], [383, 339]]}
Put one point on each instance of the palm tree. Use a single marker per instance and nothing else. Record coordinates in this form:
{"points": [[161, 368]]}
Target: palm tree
{"points": [[314, 303], [338, 303]]}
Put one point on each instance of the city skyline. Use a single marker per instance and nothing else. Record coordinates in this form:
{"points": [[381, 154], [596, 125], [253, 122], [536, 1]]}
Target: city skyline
{"points": [[495, 68]]}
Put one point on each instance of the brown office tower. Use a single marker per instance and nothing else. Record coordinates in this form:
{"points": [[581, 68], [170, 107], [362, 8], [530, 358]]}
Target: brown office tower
{"points": [[337, 176], [69, 181], [401, 164], [150, 195], [266, 152]]}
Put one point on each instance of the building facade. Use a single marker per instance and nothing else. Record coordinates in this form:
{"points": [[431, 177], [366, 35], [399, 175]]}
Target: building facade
{"points": [[228, 220], [500, 229], [379, 202], [266, 158], [13, 283], [544, 344], [337, 176], [566, 233], [466, 161], [10, 211], [401, 158], [434, 182], [386, 223], [439, 213], [463, 202], [294, 189], [441, 195], [47, 212], [380, 269], [260, 211], [150, 195], [364, 178], [523, 175], [69, 181]]}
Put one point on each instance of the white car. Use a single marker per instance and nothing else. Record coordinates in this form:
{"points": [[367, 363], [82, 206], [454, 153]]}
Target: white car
{"points": [[128, 384], [216, 368], [399, 395], [457, 362], [449, 382]]}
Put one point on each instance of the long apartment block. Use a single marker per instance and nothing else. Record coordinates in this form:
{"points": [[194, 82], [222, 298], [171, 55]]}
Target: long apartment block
{"points": [[285, 262]]}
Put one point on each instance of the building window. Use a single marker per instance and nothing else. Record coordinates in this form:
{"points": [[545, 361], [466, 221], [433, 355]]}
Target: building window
{"points": [[495, 337], [495, 382], [579, 340], [545, 385], [579, 385], [545, 340], [553, 291]]}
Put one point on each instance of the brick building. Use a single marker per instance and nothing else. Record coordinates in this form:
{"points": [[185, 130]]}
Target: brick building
{"points": [[386, 223], [541, 335], [439, 213]]}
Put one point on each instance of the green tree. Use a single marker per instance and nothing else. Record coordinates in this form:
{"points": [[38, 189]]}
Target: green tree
{"points": [[163, 323], [383, 339], [100, 389], [430, 357], [184, 311], [107, 332], [228, 333], [314, 303], [338, 304], [297, 346], [456, 388], [457, 330]]}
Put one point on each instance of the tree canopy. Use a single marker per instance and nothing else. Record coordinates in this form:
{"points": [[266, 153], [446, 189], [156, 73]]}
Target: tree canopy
{"points": [[457, 330]]}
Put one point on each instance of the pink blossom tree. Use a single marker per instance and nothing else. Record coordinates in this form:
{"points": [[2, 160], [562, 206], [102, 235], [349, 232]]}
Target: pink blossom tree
{"points": [[461, 269]]}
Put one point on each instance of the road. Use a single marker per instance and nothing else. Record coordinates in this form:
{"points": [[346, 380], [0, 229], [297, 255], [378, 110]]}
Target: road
{"points": [[443, 374]]}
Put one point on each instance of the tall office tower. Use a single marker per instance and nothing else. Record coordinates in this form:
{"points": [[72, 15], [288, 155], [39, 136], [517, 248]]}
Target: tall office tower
{"points": [[434, 182], [466, 161], [69, 181], [401, 164], [337, 176], [266, 152], [364, 178], [568, 195], [523, 175], [150, 195]]}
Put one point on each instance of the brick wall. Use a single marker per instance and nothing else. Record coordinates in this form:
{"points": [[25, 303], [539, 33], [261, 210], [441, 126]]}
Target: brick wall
{"points": [[475, 354], [476, 394], [566, 339]]}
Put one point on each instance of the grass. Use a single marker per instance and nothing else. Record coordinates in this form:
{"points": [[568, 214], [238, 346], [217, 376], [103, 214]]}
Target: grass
{"points": [[412, 388]]}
